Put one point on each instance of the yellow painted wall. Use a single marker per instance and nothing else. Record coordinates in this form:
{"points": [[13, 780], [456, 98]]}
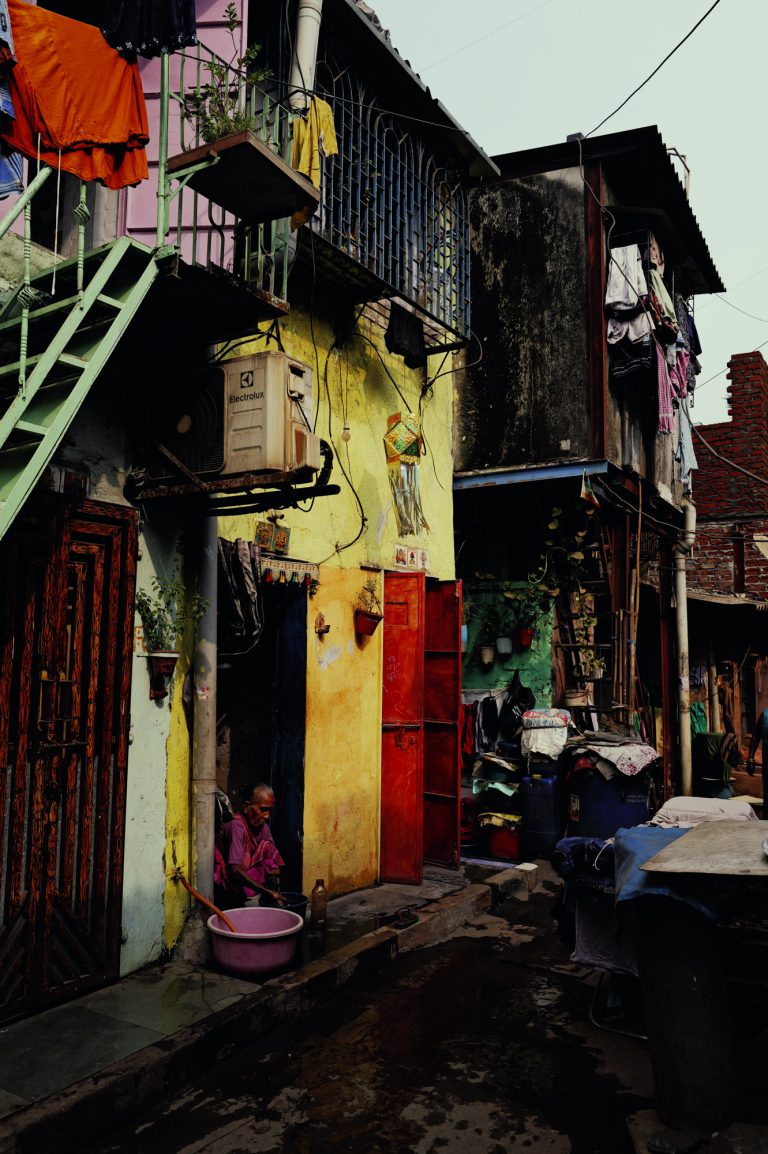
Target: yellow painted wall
{"points": [[343, 747], [177, 796]]}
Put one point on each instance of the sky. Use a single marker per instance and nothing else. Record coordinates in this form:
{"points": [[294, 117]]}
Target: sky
{"points": [[524, 73]]}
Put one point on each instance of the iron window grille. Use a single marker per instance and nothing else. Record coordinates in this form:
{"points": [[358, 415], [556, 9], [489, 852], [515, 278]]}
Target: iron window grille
{"points": [[389, 204]]}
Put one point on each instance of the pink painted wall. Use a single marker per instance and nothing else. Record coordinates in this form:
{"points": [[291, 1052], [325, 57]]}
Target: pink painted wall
{"points": [[139, 209]]}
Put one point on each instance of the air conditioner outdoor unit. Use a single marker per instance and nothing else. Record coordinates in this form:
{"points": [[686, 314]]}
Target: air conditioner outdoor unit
{"points": [[249, 415]]}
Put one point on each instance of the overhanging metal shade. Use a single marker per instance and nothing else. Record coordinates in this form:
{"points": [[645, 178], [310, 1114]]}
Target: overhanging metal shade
{"points": [[493, 478]]}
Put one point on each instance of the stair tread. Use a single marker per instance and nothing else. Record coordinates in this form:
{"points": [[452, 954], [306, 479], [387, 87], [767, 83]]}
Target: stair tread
{"points": [[63, 358], [63, 304], [31, 427]]}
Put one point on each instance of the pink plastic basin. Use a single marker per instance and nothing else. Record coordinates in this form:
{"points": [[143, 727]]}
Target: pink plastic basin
{"points": [[265, 941]]}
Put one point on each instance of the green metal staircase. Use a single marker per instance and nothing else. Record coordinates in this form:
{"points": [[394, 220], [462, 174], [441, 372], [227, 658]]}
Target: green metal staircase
{"points": [[52, 350]]}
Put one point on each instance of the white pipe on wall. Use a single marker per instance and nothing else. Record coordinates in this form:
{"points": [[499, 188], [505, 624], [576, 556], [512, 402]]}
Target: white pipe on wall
{"points": [[681, 553], [304, 61]]}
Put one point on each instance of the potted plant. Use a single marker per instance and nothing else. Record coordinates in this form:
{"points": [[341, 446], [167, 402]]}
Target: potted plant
{"points": [[368, 611], [530, 605], [219, 107], [163, 617], [484, 649]]}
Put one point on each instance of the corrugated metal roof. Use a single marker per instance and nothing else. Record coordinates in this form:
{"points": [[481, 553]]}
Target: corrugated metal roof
{"points": [[645, 190], [726, 599], [406, 93]]}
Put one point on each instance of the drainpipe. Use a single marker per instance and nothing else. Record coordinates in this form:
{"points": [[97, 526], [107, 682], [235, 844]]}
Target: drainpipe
{"points": [[204, 725], [304, 60], [680, 554]]}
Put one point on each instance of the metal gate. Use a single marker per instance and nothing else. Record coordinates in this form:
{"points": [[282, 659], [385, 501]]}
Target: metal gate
{"points": [[67, 582]]}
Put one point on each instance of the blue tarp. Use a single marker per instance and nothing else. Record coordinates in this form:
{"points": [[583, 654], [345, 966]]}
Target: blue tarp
{"points": [[636, 846]]}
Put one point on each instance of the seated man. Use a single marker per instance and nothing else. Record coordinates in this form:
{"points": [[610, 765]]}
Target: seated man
{"points": [[246, 855]]}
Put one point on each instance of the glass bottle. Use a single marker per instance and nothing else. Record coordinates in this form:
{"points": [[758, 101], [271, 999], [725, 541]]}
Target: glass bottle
{"points": [[318, 905]]}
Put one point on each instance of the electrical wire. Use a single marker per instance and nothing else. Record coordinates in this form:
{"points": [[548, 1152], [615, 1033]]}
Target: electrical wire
{"points": [[375, 348], [363, 519], [720, 457], [752, 316], [486, 36], [369, 107], [614, 499], [720, 372], [658, 67], [459, 368]]}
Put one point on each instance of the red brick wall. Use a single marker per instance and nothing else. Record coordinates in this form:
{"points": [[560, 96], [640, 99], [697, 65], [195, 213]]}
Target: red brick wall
{"points": [[721, 492], [718, 489]]}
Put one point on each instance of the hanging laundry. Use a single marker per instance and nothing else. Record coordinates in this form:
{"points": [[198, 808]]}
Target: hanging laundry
{"points": [[661, 300], [7, 59], [692, 367], [150, 27], [678, 372], [666, 407], [655, 254], [402, 445], [240, 615], [76, 99], [405, 336], [626, 296], [686, 455], [314, 136], [11, 173], [631, 360]]}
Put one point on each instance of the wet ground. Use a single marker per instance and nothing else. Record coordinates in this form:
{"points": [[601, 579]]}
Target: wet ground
{"points": [[481, 1045]]}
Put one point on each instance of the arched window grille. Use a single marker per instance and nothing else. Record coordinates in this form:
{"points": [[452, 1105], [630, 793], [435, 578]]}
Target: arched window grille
{"points": [[390, 205]]}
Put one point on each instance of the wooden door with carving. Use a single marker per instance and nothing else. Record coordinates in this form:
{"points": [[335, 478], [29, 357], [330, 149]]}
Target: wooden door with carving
{"points": [[67, 583]]}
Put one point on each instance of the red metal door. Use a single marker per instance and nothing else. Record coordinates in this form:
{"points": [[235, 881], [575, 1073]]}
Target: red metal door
{"points": [[66, 590], [402, 746], [442, 699]]}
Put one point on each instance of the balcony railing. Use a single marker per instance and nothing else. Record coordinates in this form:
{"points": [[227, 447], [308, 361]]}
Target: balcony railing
{"points": [[388, 203], [204, 232]]}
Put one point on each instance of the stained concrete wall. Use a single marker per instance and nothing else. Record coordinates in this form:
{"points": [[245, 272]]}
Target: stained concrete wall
{"points": [[527, 400]]}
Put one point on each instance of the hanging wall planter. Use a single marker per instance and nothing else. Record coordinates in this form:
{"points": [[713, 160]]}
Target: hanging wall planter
{"points": [[504, 646], [487, 654], [524, 637], [164, 614], [368, 611], [366, 622], [162, 663]]}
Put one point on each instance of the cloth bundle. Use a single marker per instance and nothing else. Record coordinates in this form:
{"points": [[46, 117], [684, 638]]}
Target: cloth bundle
{"points": [[78, 104], [545, 732]]}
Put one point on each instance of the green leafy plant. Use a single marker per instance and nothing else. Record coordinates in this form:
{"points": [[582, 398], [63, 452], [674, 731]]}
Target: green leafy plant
{"points": [[529, 605], [165, 615], [219, 107], [368, 598], [568, 543]]}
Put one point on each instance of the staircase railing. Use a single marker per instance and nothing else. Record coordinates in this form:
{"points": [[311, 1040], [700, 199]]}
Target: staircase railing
{"points": [[26, 295]]}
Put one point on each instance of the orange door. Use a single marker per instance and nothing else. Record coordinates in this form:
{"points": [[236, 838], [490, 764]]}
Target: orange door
{"points": [[402, 752], [442, 700]]}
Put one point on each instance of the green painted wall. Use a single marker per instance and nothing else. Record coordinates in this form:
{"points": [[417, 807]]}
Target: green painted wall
{"points": [[534, 664]]}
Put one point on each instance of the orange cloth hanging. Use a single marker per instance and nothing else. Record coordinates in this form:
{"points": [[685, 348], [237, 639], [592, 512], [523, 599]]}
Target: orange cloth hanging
{"points": [[81, 96]]}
